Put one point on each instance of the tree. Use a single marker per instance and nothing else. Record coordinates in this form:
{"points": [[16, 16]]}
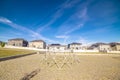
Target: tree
{"points": [[2, 44]]}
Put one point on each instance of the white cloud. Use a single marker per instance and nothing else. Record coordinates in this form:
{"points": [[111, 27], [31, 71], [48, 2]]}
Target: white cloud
{"points": [[62, 36], [79, 24], [5, 20], [74, 29], [84, 41], [24, 29], [83, 13], [79, 19], [67, 4]]}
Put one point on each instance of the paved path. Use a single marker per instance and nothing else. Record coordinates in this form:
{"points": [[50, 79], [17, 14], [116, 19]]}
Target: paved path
{"points": [[91, 67]]}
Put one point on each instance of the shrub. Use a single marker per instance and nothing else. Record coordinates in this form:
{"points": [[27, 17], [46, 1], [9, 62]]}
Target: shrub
{"points": [[2, 44]]}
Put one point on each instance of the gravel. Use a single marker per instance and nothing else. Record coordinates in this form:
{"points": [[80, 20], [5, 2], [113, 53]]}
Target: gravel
{"points": [[91, 67]]}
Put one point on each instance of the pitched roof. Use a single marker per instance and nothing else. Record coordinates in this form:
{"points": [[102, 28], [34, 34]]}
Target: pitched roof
{"points": [[55, 45], [37, 41], [114, 43], [16, 39], [75, 43], [100, 43]]}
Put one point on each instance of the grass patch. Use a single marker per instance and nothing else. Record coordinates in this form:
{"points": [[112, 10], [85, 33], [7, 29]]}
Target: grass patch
{"points": [[5, 52]]}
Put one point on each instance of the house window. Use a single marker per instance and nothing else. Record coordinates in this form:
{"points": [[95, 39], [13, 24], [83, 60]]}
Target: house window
{"points": [[20, 44], [77, 48], [14, 44], [57, 47]]}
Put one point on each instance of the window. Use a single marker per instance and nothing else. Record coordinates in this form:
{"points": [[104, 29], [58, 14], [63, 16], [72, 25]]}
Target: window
{"points": [[20, 44], [14, 44], [57, 47]]}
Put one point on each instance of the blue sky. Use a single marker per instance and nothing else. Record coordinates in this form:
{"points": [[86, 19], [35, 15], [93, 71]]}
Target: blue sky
{"points": [[60, 21]]}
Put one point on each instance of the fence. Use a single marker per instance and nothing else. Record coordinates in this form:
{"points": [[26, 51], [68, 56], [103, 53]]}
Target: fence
{"points": [[60, 51]]}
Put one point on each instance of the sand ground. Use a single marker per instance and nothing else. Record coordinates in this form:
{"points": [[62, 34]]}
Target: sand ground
{"points": [[90, 67]]}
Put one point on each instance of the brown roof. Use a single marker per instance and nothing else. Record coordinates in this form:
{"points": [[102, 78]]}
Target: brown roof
{"points": [[114, 43], [16, 39], [75, 43], [54, 45], [100, 43], [59, 45], [37, 41]]}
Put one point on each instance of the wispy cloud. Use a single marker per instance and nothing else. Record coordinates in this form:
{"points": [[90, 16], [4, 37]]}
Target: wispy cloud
{"points": [[75, 22], [69, 4], [5, 20], [83, 17], [60, 10], [83, 13], [80, 18], [84, 41], [65, 37], [61, 36], [74, 28], [24, 29]]}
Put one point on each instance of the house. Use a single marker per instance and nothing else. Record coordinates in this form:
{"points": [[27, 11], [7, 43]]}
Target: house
{"points": [[101, 47], [19, 42], [40, 44], [75, 46], [56, 47], [115, 46]]}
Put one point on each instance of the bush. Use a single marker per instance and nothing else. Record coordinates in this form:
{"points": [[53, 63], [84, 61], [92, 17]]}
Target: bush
{"points": [[2, 44]]}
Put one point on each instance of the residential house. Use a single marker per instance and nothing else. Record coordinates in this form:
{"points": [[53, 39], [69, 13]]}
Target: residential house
{"points": [[19, 42], [75, 46], [56, 47], [40, 44], [115, 46], [101, 47]]}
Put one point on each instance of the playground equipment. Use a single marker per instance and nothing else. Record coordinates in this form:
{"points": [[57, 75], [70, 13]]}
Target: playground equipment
{"points": [[51, 58]]}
